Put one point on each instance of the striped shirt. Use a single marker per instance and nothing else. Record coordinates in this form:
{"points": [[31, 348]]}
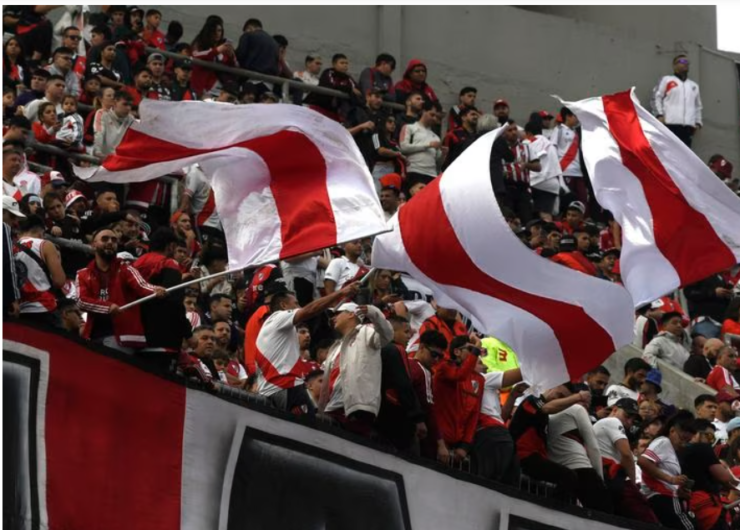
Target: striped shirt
{"points": [[516, 171]]}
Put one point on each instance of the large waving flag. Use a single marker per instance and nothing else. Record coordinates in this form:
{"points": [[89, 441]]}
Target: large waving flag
{"points": [[680, 223], [286, 179], [453, 238]]}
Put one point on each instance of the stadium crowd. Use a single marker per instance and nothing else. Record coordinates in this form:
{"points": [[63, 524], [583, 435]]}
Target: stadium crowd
{"points": [[325, 333]]}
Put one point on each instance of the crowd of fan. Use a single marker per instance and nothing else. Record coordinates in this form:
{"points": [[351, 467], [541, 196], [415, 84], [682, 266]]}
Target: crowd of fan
{"points": [[324, 333]]}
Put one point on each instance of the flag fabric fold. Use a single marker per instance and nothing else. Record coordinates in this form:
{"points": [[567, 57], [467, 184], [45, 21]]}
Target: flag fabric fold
{"points": [[680, 223], [453, 238], [286, 179]]}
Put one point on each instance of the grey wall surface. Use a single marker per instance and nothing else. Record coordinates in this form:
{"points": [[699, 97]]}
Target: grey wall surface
{"points": [[521, 54]]}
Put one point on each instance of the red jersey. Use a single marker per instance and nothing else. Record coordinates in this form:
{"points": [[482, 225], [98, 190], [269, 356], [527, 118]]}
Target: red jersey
{"points": [[151, 265], [437, 324], [576, 261], [458, 391], [154, 38], [251, 331]]}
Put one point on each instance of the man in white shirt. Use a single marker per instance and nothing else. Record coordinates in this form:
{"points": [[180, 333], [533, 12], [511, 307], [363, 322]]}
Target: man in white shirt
{"points": [[635, 372], [344, 268], [677, 103], [567, 140], [54, 93], [421, 146], [619, 462], [545, 183], [310, 75], [278, 349]]}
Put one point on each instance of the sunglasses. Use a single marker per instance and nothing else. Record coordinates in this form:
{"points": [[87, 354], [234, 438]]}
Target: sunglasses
{"points": [[682, 61], [74, 37], [107, 239]]}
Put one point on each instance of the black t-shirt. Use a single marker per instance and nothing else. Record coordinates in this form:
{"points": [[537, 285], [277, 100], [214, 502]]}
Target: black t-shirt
{"points": [[528, 428], [696, 460], [101, 71]]}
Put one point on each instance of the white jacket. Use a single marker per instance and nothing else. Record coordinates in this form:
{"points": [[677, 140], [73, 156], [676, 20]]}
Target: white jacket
{"points": [[360, 363], [667, 347], [677, 101], [110, 134]]}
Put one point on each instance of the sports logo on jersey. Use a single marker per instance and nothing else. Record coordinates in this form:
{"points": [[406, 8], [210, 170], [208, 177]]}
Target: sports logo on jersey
{"points": [[670, 86]]}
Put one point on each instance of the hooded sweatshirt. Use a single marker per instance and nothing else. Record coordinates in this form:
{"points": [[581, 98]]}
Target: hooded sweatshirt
{"points": [[405, 86]]}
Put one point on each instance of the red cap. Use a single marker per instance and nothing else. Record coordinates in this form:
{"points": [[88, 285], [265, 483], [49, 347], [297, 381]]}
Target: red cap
{"points": [[500, 102], [391, 180], [722, 167], [544, 114], [71, 197]]}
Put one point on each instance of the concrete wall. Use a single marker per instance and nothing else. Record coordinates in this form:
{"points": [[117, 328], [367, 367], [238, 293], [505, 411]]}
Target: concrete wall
{"points": [[521, 54], [679, 388]]}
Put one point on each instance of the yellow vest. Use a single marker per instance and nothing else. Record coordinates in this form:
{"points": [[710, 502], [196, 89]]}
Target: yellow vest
{"points": [[500, 357]]}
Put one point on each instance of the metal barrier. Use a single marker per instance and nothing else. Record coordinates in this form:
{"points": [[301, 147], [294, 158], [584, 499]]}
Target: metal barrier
{"points": [[287, 84]]}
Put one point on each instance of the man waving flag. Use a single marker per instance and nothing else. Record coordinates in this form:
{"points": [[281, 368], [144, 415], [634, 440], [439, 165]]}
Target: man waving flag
{"points": [[286, 180], [453, 238], [680, 223]]}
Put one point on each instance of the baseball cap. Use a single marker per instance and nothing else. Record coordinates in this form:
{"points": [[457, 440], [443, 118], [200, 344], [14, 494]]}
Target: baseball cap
{"points": [[72, 196], [155, 57], [577, 205], [628, 405], [733, 424], [722, 166], [350, 307], [500, 102], [185, 64], [612, 252], [545, 114], [655, 377], [724, 397], [657, 304], [534, 222], [125, 256], [596, 256], [391, 180], [11, 205]]}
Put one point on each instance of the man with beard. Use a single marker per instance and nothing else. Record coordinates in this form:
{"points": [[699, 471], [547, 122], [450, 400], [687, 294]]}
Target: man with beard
{"points": [[104, 286], [635, 372], [456, 140], [390, 198], [142, 88]]}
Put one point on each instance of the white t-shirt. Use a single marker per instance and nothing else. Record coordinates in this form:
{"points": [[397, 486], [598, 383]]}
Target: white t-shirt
{"points": [[608, 432], [202, 200], [720, 430], [491, 402], [616, 392], [342, 270], [662, 453], [278, 353], [547, 179], [565, 448], [28, 182]]}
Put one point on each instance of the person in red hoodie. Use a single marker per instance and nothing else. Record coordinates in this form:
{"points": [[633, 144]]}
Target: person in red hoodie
{"points": [[575, 258], [104, 286], [151, 34], [458, 391], [414, 80]]}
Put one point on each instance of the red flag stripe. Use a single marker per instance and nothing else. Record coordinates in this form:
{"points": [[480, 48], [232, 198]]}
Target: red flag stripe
{"points": [[298, 180], [443, 259], [682, 234], [102, 470]]}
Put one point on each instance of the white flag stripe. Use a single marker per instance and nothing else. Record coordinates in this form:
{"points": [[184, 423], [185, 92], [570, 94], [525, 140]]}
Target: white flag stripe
{"points": [[620, 192], [466, 192]]}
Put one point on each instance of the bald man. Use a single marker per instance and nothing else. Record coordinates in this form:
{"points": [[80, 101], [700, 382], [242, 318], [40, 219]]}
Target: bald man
{"points": [[699, 365]]}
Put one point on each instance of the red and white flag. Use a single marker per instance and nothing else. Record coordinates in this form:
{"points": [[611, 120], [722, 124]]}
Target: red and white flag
{"points": [[286, 179], [680, 223], [453, 238]]}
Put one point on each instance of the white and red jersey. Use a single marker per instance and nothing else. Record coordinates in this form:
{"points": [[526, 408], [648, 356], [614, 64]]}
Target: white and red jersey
{"points": [[278, 354], [28, 182], [11, 190], [331, 366], [568, 143], [202, 200], [490, 407], [720, 378], [36, 295], [516, 171], [661, 452], [608, 432], [194, 318], [678, 101]]}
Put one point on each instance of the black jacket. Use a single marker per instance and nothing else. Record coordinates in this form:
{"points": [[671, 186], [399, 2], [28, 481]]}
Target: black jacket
{"points": [[258, 52], [703, 300]]}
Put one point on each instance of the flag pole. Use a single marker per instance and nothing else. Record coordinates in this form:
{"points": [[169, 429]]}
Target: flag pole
{"points": [[225, 273]]}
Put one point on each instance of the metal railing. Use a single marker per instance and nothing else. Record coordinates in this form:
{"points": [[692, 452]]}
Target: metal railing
{"points": [[287, 84]]}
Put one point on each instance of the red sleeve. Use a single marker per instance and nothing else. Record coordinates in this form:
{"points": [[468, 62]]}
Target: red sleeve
{"points": [[88, 300], [205, 55], [134, 281], [39, 132], [472, 423], [449, 371]]}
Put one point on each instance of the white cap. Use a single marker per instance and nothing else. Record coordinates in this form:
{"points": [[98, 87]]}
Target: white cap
{"points": [[349, 306], [10, 204], [578, 205], [657, 304], [125, 256]]}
